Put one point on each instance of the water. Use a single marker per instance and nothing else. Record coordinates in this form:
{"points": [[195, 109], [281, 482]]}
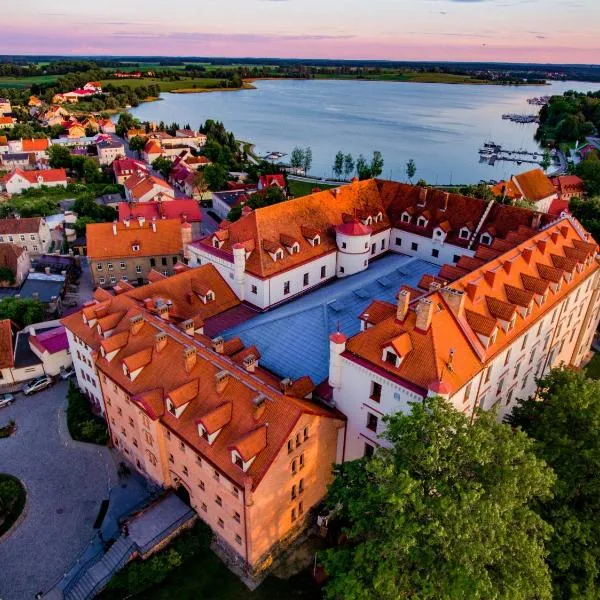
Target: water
{"points": [[440, 126]]}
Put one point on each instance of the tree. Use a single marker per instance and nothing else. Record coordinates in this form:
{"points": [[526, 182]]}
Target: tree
{"points": [[589, 170], [199, 183], [126, 121], [137, 143], [376, 167], [445, 512], [362, 168], [297, 158], [307, 162], [565, 424], [546, 160], [588, 213], [338, 164], [22, 311], [216, 176], [163, 165], [59, 157], [411, 169], [348, 165], [6, 275]]}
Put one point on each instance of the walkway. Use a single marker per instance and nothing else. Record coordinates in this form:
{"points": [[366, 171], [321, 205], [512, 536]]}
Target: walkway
{"points": [[66, 482]]}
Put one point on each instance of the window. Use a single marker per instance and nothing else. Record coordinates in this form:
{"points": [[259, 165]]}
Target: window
{"points": [[152, 262], [171, 459], [372, 421], [294, 466], [219, 501], [99, 267], [467, 392], [369, 450], [298, 440], [488, 374], [293, 514], [398, 241], [238, 539], [168, 434], [464, 233], [130, 422], [486, 239], [135, 247], [414, 246], [119, 411], [305, 433], [204, 507], [237, 517], [305, 279], [517, 369], [254, 289], [22, 238], [163, 261], [301, 486], [421, 222], [456, 258], [138, 269], [293, 493], [290, 446], [235, 492], [383, 244], [185, 470], [221, 523], [405, 218], [302, 461], [216, 475], [344, 245], [10, 238], [201, 485], [435, 253], [300, 508], [182, 446], [109, 266], [391, 358], [509, 396], [35, 248], [524, 342], [375, 391], [341, 269], [239, 462], [507, 356], [500, 386], [286, 287], [113, 279], [122, 265], [323, 272]]}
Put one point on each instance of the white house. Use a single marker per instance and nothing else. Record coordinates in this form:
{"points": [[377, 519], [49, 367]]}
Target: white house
{"points": [[18, 181], [109, 151], [31, 233]]}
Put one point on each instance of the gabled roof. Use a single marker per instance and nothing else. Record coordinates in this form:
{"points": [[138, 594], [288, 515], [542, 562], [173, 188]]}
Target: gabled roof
{"points": [[185, 210], [534, 185], [24, 225], [47, 176]]}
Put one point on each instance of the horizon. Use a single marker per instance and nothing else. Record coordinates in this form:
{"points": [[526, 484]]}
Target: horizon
{"points": [[540, 31]]}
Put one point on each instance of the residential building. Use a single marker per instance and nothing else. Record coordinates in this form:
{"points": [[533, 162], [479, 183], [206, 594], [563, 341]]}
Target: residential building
{"points": [[187, 211], [16, 259], [267, 181], [281, 251], [568, 186], [180, 296], [11, 161], [107, 126], [48, 288], [152, 150], [4, 148], [19, 180], [533, 186], [479, 340], [7, 122], [109, 151], [5, 107], [223, 202], [203, 417], [123, 168], [31, 233], [142, 188], [128, 250], [34, 102]]}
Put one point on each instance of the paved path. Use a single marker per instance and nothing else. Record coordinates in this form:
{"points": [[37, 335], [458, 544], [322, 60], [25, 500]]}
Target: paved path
{"points": [[66, 482]]}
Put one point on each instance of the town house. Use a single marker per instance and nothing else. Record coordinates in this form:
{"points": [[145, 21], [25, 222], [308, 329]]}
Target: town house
{"points": [[31, 233]]}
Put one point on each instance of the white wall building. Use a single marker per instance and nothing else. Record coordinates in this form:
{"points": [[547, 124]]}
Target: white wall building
{"points": [[31, 233]]}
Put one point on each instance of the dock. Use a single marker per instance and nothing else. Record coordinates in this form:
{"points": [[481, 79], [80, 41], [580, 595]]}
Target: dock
{"points": [[491, 153]]}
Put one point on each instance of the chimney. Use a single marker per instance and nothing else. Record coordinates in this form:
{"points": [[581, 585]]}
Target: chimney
{"points": [[141, 221], [536, 220], [188, 327], [527, 254], [422, 196], [189, 356], [126, 222], [163, 311], [507, 265], [541, 246], [424, 314], [445, 200], [153, 225], [218, 344], [490, 277], [250, 363], [260, 404], [337, 345], [471, 290], [455, 299], [402, 306], [135, 324], [221, 380], [160, 341], [435, 286], [114, 228], [554, 237]]}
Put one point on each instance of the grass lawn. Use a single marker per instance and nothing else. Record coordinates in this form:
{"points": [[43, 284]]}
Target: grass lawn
{"points": [[304, 188], [593, 367], [12, 496], [208, 578], [167, 86], [25, 82]]}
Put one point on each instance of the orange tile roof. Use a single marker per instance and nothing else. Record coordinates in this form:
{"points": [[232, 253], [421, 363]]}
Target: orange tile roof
{"points": [[23, 225], [493, 291], [534, 185], [6, 344], [377, 311], [252, 443], [103, 244], [35, 145]]}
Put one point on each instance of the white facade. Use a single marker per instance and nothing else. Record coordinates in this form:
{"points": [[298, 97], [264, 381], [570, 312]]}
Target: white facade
{"points": [[108, 154], [85, 370], [17, 184], [434, 250], [564, 335]]}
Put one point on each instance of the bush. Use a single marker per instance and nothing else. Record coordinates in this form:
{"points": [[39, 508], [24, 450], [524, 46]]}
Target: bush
{"points": [[8, 430], [140, 575], [83, 425], [12, 501]]}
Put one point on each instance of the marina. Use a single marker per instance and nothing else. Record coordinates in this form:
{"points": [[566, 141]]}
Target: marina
{"points": [[492, 153], [516, 118], [539, 100]]}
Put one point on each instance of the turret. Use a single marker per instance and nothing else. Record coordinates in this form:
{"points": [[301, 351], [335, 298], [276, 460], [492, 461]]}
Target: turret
{"points": [[353, 241], [337, 345], [239, 269]]}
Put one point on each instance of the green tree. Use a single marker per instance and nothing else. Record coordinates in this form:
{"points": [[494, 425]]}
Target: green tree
{"points": [[445, 512], [297, 158], [163, 165], [22, 311], [6, 275], [199, 183], [411, 169], [60, 157], [215, 176], [565, 424], [348, 165], [546, 160], [126, 121], [376, 167], [588, 213], [362, 168], [137, 143], [589, 170], [308, 158], [338, 164]]}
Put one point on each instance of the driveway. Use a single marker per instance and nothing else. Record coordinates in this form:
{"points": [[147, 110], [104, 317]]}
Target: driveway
{"points": [[66, 482]]}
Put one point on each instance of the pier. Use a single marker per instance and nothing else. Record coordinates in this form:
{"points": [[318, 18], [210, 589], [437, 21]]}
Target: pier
{"points": [[516, 118], [491, 153]]}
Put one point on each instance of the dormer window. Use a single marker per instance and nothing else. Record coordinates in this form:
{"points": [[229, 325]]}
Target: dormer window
{"points": [[391, 358], [237, 460], [378, 217], [493, 338], [486, 239], [512, 322], [135, 247], [295, 248], [125, 370], [279, 255], [464, 233], [405, 218], [421, 222], [171, 407], [316, 241]]}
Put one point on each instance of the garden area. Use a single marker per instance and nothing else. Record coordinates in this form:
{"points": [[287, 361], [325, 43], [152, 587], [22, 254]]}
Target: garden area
{"points": [[83, 424], [12, 501], [188, 569], [8, 429]]}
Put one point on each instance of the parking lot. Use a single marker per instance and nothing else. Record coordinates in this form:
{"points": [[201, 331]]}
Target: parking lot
{"points": [[66, 482]]}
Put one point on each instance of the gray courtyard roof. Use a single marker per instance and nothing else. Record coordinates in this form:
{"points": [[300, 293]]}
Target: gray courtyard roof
{"points": [[294, 339]]}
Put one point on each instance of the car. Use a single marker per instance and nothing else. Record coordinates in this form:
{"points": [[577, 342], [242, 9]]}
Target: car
{"points": [[6, 400], [67, 373], [37, 385]]}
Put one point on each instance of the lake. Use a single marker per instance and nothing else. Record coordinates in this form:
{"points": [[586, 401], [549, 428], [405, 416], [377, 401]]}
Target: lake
{"points": [[440, 126]]}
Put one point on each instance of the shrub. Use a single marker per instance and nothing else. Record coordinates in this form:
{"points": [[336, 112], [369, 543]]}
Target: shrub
{"points": [[83, 425], [12, 501]]}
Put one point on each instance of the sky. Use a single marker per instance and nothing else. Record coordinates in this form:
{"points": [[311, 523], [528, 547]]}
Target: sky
{"points": [[559, 31]]}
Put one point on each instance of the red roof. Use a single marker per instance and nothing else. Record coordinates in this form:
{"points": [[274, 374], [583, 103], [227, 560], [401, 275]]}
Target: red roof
{"points": [[558, 207], [127, 166], [354, 227], [51, 341], [269, 180], [50, 175], [186, 210]]}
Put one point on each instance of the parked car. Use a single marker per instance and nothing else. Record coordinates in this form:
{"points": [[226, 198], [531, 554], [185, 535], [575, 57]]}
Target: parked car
{"points": [[6, 400], [37, 385], [67, 373]]}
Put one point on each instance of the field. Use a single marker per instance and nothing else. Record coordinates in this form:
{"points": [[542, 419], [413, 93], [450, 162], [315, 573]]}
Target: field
{"points": [[25, 82], [304, 188], [167, 86], [409, 76]]}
